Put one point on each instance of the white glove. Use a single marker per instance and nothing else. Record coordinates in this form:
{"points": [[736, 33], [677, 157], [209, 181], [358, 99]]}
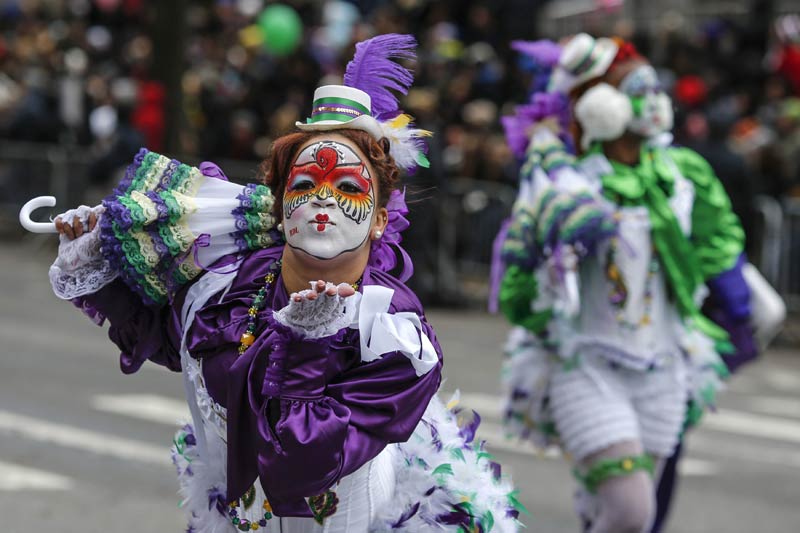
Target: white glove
{"points": [[316, 313], [80, 268], [74, 253]]}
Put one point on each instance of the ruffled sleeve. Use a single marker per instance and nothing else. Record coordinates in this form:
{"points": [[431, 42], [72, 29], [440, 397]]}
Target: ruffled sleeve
{"points": [[558, 205], [717, 234], [140, 331], [303, 413]]}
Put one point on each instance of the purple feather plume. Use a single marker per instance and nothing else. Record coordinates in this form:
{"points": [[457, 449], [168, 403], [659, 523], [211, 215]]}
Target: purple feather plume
{"points": [[374, 71], [540, 107], [544, 53]]}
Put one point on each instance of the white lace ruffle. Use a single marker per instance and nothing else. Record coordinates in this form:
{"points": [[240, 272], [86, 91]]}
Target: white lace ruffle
{"points": [[80, 268], [321, 317], [213, 413], [88, 279]]}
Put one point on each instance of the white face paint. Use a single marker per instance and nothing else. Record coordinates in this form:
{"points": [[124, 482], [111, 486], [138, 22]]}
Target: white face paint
{"points": [[652, 107], [329, 201]]}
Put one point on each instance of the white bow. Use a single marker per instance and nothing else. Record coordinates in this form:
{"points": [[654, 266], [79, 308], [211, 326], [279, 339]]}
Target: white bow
{"points": [[383, 332]]}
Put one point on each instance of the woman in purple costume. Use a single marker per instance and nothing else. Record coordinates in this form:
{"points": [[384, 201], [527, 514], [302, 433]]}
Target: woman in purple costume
{"points": [[311, 372]]}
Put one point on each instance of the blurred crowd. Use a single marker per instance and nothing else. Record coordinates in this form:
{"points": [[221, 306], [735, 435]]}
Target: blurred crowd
{"points": [[736, 92], [109, 76], [86, 72]]}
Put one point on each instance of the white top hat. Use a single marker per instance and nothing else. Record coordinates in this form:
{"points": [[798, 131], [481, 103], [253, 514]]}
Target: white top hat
{"points": [[339, 107], [582, 59]]}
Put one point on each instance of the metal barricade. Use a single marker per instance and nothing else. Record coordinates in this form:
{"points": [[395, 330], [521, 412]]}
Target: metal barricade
{"points": [[470, 215], [30, 169], [767, 239], [789, 281]]}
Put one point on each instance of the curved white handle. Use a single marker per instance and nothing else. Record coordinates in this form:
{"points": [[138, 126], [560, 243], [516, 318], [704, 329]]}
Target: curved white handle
{"points": [[32, 205]]}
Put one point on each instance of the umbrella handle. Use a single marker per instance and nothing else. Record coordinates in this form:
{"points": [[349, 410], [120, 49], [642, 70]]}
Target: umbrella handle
{"points": [[32, 205]]}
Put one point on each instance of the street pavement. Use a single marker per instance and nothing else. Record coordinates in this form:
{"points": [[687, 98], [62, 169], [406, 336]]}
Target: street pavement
{"points": [[84, 448]]}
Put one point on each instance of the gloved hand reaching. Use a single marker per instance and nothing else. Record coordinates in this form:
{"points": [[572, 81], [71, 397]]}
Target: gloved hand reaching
{"points": [[320, 311]]}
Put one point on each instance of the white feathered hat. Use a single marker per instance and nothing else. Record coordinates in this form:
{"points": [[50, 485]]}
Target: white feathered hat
{"points": [[582, 59]]}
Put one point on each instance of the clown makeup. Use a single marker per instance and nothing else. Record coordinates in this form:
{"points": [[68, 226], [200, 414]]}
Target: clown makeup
{"points": [[652, 108], [329, 201]]}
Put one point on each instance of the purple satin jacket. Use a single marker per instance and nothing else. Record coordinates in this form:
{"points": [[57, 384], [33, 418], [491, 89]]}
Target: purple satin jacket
{"points": [[330, 412]]}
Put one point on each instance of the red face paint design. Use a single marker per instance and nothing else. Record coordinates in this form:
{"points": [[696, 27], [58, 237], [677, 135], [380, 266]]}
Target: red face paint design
{"points": [[335, 172]]}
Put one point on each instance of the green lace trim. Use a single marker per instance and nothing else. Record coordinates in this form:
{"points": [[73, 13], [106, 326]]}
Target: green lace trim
{"points": [[148, 172], [259, 218], [131, 246]]}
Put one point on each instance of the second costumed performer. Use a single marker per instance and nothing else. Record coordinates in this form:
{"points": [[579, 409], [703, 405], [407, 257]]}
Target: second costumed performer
{"points": [[612, 244], [311, 372]]}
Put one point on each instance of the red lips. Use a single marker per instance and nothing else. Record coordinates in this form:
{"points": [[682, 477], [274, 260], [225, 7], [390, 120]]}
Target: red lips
{"points": [[321, 219]]}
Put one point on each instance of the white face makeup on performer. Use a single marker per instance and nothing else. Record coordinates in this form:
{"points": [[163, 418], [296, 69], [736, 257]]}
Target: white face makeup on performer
{"points": [[329, 200], [652, 107]]}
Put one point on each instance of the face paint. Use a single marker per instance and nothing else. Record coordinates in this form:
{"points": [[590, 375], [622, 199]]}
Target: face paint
{"points": [[652, 107], [328, 201]]}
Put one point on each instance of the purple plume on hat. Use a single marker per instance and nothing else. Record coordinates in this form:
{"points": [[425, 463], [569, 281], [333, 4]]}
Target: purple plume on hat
{"points": [[543, 52], [374, 71]]}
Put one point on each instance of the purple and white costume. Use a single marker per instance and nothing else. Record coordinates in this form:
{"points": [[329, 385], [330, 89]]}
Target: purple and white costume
{"points": [[310, 429], [317, 416]]}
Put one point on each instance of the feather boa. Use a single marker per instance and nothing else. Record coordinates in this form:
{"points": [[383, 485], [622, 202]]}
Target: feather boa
{"points": [[202, 482], [445, 482]]}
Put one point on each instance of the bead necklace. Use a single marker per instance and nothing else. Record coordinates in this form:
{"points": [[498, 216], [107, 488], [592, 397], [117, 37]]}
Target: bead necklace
{"points": [[243, 524], [249, 337]]}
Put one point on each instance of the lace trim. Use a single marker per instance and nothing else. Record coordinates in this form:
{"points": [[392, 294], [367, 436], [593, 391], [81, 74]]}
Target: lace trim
{"points": [[322, 317], [151, 172], [556, 219], [80, 268], [147, 253], [212, 412], [254, 218], [130, 172], [84, 280]]}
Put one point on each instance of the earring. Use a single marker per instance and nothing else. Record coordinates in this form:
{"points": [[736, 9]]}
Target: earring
{"points": [[378, 234], [280, 227]]}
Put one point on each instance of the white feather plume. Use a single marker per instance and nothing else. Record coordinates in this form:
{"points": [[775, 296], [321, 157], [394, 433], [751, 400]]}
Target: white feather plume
{"points": [[406, 142]]}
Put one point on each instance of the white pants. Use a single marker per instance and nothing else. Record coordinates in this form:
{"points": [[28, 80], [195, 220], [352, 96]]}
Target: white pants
{"points": [[360, 495], [595, 406]]}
